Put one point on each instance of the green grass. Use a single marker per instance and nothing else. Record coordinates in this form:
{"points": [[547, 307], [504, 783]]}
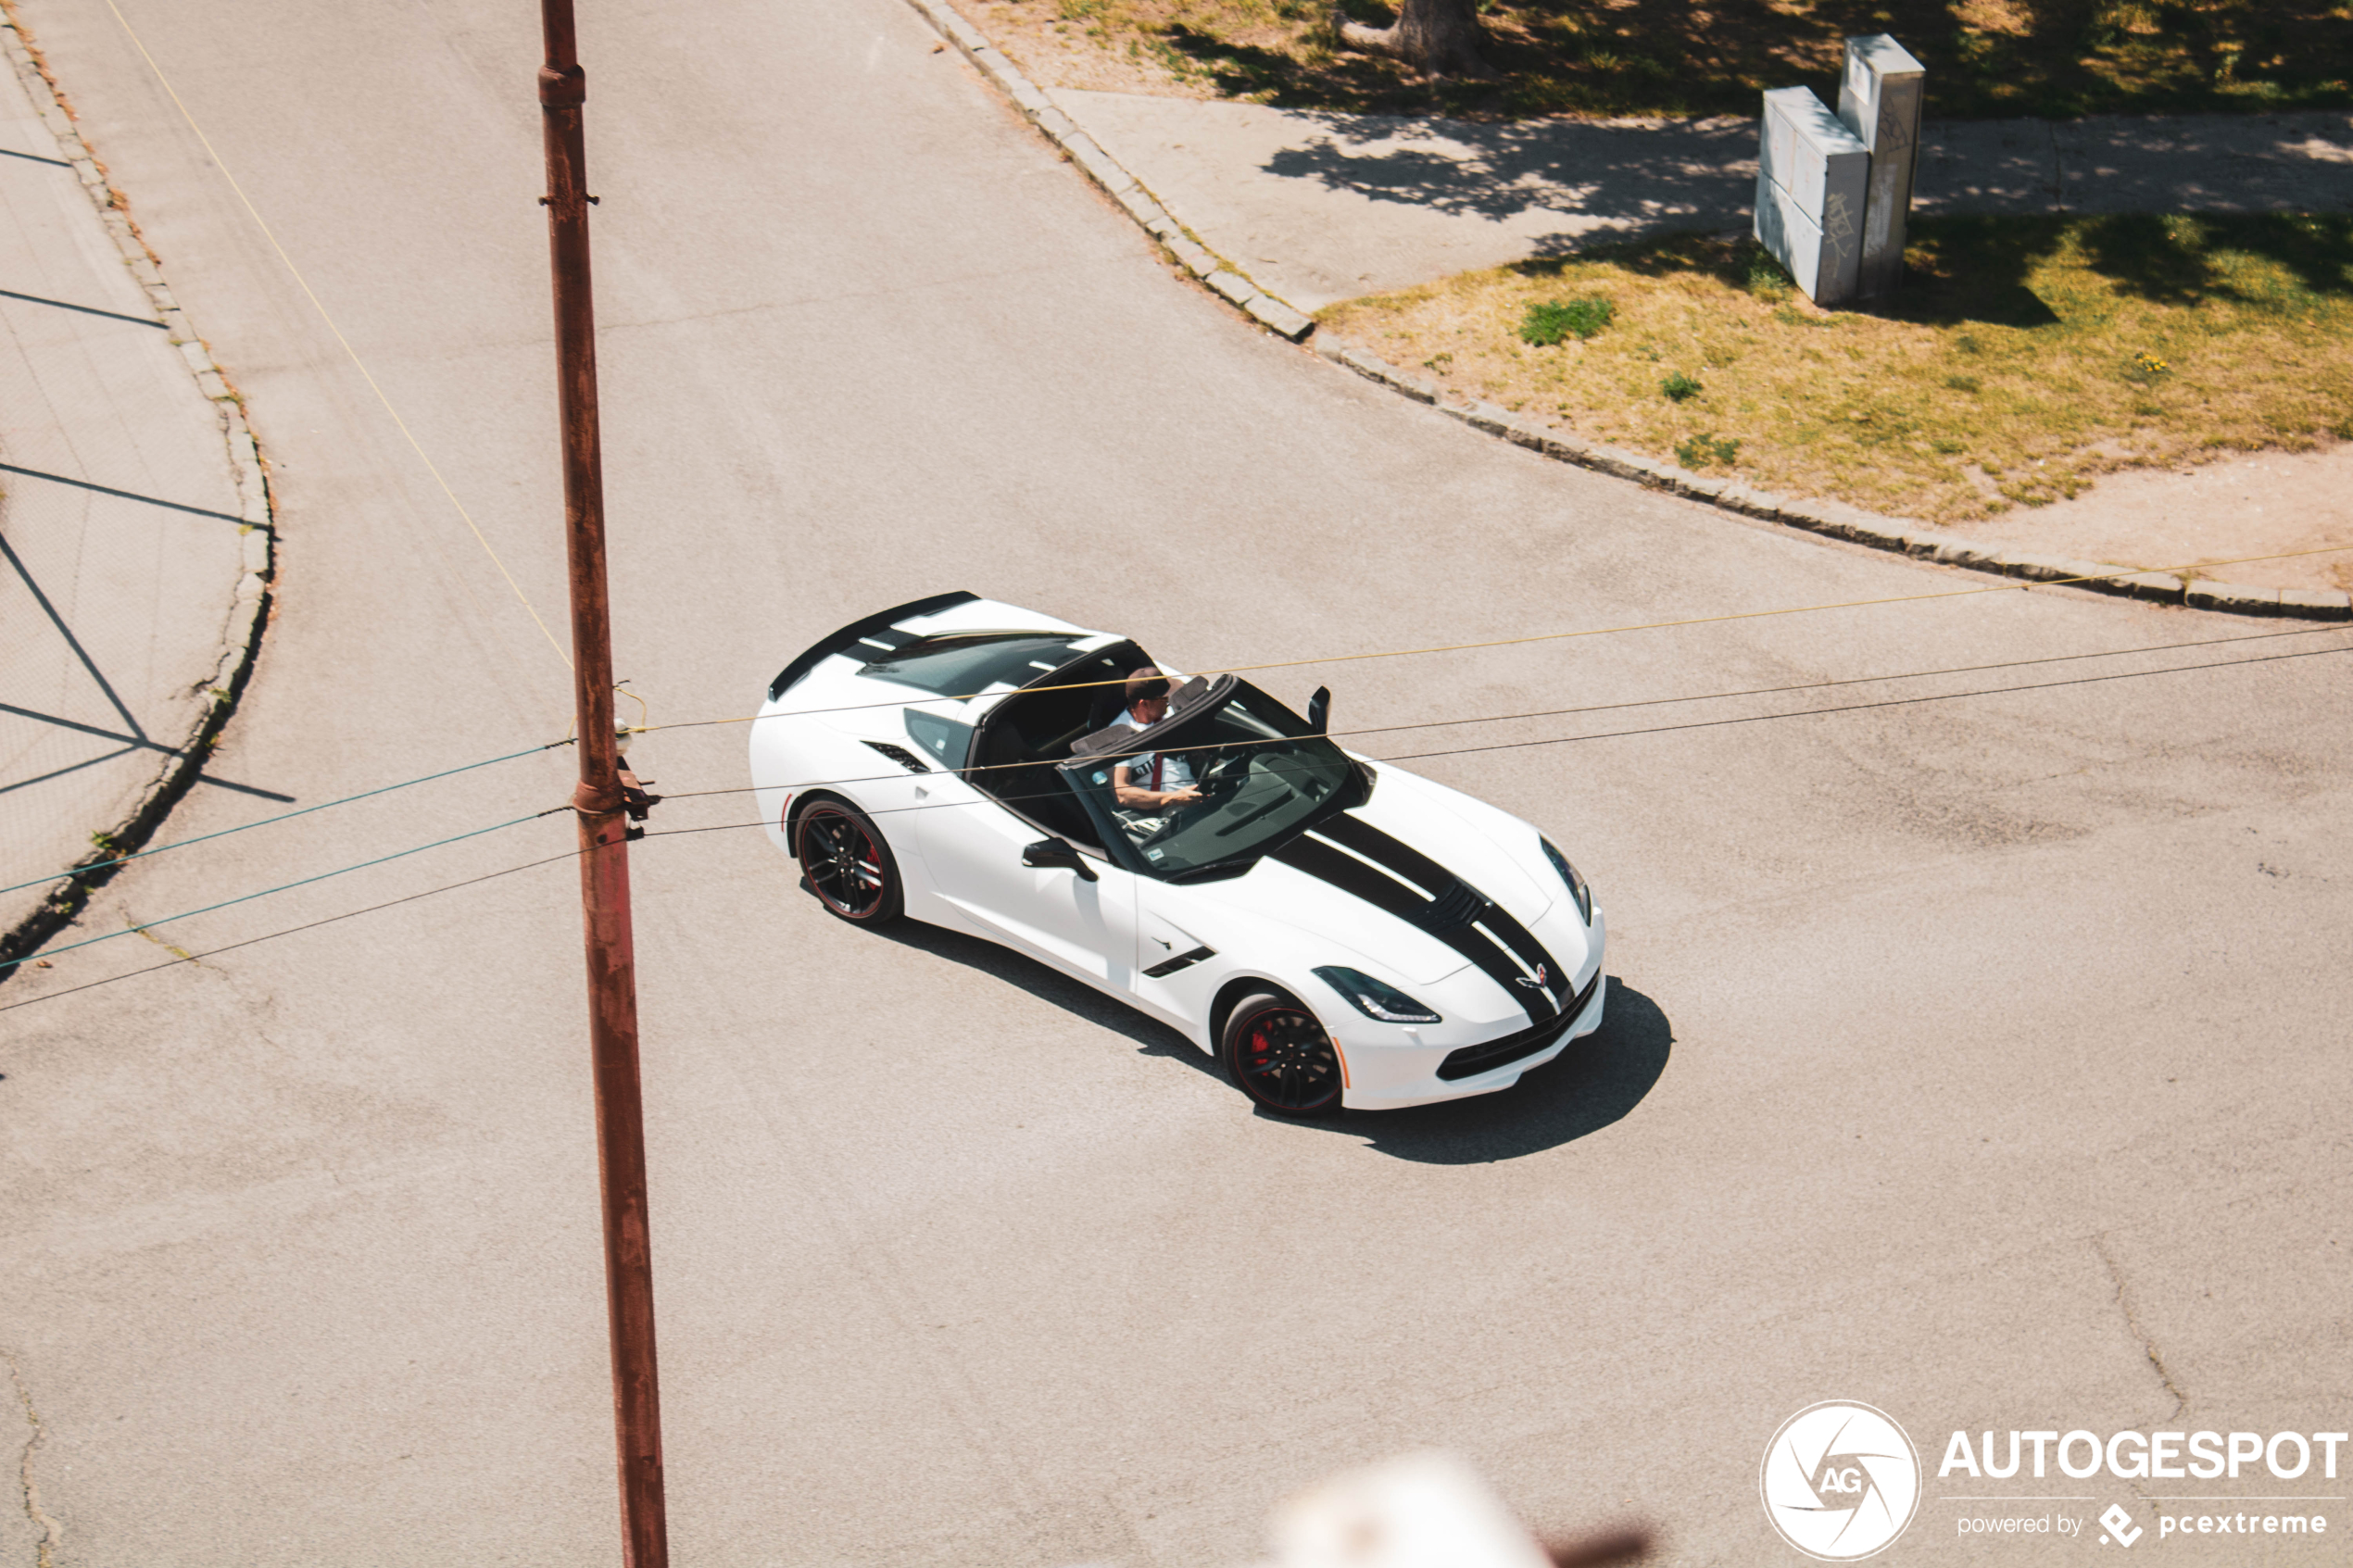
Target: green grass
{"points": [[1547, 321], [2021, 358], [1985, 58]]}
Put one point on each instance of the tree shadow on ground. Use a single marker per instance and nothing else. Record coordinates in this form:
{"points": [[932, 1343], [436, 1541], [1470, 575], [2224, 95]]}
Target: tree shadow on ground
{"points": [[1978, 269], [1599, 176], [2186, 261], [2049, 58], [1596, 1082], [1982, 270]]}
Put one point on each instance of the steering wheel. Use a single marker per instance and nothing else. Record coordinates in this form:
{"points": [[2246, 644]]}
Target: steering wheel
{"points": [[1227, 769]]}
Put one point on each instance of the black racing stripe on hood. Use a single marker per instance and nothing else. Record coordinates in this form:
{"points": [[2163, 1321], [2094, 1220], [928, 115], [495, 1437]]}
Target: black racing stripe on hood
{"points": [[1395, 854], [1328, 864], [1385, 849]]}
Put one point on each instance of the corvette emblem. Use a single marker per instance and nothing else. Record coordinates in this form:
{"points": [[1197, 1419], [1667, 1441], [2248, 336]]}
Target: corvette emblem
{"points": [[1535, 982]]}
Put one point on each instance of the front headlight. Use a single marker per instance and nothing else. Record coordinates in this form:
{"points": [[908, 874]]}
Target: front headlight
{"points": [[1373, 1000], [1576, 888]]}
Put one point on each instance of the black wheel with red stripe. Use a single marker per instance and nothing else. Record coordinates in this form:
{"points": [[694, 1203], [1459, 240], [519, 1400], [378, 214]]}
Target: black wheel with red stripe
{"points": [[846, 864], [1281, 1057]]}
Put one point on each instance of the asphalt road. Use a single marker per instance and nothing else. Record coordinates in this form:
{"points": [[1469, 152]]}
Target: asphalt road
{"points": [[1983, 1060]]}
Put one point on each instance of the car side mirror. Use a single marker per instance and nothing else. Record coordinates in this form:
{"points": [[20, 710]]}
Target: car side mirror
{"points": [[1050, 854], [1319, 711]]}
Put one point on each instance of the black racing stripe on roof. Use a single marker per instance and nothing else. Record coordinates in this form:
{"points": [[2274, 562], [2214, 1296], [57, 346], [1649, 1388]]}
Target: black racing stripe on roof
{"points": [[1329, 864], [1395, 854]]}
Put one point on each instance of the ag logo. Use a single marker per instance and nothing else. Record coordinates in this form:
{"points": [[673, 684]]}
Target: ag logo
{"points": [[1840, 1481]]}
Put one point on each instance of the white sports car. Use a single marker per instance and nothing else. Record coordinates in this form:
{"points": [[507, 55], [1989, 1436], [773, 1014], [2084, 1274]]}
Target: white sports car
{"points": [[1337, 934]]}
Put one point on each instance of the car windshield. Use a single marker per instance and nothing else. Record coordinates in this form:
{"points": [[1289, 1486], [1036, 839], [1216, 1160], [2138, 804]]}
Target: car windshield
{"points": [[960, 664], [1262, 778]]}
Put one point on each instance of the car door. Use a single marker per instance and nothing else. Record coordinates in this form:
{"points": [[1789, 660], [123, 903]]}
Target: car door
{"points": [[972, 848]]}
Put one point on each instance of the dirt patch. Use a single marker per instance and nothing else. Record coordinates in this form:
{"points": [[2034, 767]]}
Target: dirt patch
{"points": [[2023, 359]]}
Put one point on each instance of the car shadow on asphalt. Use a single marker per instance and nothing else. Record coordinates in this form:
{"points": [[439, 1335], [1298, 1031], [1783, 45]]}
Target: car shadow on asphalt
{"points": [[1049, 985], [1596, 1081]]}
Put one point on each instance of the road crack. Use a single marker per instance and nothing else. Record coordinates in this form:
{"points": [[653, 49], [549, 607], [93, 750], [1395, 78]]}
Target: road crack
{"points": [[178, 952], [2133, 1322], [50, 1531]]}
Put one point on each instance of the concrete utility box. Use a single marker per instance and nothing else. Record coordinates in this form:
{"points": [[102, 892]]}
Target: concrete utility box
{"points": [[1878, 100], [1811, 172]]}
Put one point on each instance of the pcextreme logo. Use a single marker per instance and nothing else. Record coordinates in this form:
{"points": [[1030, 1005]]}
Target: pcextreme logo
{"points": [[1840, 1481]]}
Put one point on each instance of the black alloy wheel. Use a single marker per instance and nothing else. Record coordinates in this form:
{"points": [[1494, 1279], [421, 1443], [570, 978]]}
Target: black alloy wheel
{"points": [[1281, 1058], [846, 864]]}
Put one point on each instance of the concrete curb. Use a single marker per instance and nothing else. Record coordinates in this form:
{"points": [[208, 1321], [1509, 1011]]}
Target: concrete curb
{"points": [[1834, 518], [249, 607], [1838, 520], [1277, 316]]}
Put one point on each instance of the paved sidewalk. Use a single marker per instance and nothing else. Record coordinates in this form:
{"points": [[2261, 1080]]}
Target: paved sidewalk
{"points": [[1319, 208], [132, 548]]}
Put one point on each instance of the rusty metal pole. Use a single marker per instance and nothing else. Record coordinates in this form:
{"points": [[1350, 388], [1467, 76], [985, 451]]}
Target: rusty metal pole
{"points": [[604, 852]]}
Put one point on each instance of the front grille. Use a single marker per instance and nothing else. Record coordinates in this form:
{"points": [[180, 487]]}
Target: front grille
{"points": [[1472, 1061]]}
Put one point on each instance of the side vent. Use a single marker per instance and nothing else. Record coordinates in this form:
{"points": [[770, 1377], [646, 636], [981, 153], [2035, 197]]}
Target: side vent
{"points": [[900, 754], [1168, 967]]}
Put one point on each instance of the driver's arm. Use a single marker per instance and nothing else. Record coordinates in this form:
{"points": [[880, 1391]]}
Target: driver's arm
{"points": [[1135, 798]]}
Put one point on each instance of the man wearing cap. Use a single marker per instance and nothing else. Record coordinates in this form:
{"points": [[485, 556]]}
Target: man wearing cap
{"points": [[1156, 781]]}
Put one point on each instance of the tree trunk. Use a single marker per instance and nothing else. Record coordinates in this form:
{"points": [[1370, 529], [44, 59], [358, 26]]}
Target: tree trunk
{"points": [[1436, 37]]}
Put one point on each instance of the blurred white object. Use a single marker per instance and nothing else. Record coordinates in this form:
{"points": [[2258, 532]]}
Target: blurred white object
{"points": [[1423, 1510]]}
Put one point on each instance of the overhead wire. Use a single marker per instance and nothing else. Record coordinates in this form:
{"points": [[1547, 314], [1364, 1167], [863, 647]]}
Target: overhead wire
{"points": [[283, 816], [1557, 637], [304, 882], [1646, 730], [1558, 740], [289, 931], [1889, 702], [1685, 697], [295, 272], [1418, 756]]}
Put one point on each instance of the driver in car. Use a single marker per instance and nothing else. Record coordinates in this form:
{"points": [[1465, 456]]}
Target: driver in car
{"points": [[1156, 781]]}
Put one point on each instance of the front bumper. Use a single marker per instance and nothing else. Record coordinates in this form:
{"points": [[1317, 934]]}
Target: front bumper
{"points": [[1399, 1072]]}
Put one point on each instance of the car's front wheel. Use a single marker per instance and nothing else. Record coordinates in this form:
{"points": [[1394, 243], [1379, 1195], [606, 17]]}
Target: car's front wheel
{"points": [[846, 864], [1281, 1057]]}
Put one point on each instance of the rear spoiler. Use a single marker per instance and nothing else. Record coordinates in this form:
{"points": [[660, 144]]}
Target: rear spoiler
{"points": [[825, 647]]}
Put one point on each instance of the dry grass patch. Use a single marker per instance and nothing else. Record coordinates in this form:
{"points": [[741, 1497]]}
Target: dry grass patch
{"points": [[2022, 358], [1985, 58]]}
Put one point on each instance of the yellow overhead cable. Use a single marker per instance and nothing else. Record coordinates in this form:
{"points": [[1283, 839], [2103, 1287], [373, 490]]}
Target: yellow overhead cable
{"points": [[1587, 632], [731, 827], [358, 363], [968, 771], [1277, 664]]}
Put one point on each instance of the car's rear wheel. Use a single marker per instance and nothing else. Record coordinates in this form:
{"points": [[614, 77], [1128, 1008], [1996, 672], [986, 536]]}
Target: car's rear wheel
{"points": [[846, 864], [1281, 1057]]}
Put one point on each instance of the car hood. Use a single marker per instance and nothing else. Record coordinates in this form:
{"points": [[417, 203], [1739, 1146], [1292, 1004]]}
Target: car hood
{"points": [[1314, 915], [1492, 850]]}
